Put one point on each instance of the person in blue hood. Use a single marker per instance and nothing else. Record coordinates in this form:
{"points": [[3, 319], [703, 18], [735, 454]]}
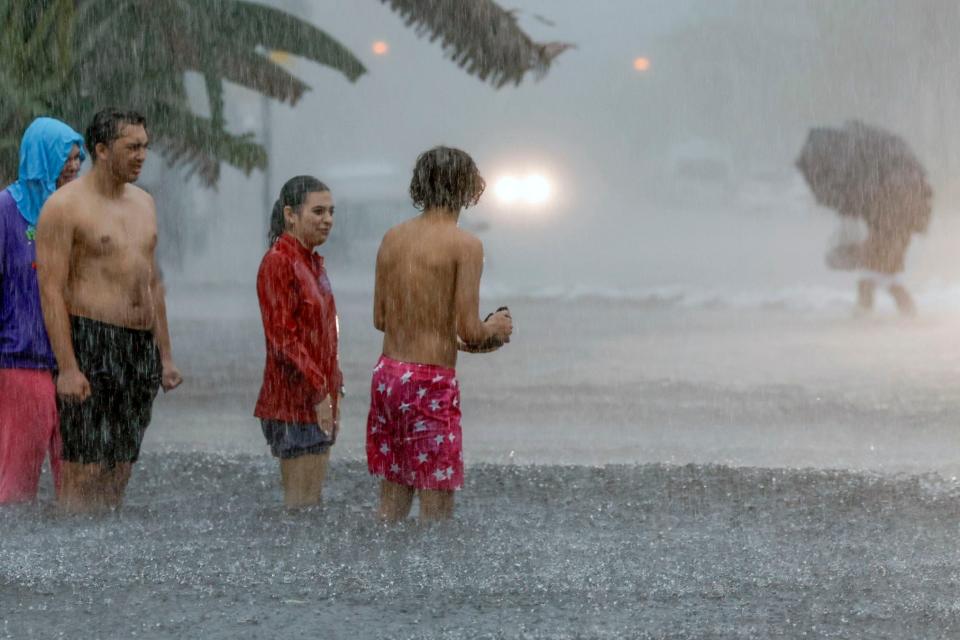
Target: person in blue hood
{"points": [[50, 156]]}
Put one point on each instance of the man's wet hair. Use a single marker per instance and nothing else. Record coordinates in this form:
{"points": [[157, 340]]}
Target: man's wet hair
{"points": [[447, 178], [106, 125], [293, 194]]}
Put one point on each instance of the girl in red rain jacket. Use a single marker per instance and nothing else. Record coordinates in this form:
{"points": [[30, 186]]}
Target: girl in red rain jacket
{"points": [[299, 403]]}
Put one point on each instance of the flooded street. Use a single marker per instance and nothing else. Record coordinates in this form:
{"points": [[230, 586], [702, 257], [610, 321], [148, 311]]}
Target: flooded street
{"points": [[660, 476], [719, 237], [646, 551], [594, 381]]}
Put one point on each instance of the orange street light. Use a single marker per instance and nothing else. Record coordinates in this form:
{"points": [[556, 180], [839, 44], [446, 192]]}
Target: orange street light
{"points": [[641, 64], [380, 48]]}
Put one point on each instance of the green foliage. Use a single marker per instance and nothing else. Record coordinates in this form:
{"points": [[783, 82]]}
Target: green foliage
{"points": [[35, 68], [140, 62], [69, 58], [481, 37]]}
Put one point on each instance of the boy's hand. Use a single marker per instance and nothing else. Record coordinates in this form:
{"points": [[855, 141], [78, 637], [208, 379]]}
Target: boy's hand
{"points": [[502, 324]]}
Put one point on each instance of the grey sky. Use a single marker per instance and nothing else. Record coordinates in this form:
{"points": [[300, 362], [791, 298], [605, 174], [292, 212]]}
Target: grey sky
{"points": [[414, 97], [606, 135]]}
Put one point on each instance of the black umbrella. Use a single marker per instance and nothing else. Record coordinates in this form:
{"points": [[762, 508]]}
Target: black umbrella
{"points": [[867, 172]]}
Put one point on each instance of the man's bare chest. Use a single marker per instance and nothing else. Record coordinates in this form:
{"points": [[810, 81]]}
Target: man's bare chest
{"points": [[113, 235]]}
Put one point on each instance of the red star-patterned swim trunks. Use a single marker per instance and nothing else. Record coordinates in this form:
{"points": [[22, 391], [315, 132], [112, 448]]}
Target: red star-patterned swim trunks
{"points": [[413, 429]]}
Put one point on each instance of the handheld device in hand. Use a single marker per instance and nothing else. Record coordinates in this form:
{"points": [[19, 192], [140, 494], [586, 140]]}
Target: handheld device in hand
{"points": [[490, 315], [485, 347]]}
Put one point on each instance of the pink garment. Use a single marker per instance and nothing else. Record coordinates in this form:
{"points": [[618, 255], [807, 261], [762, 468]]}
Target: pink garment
{"points": [[29, 430], [413, 429]]}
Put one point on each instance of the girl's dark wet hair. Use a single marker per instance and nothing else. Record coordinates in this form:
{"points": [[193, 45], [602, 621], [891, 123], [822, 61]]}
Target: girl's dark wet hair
{"points": [[447, 178], [293, 194], [106, 125]]}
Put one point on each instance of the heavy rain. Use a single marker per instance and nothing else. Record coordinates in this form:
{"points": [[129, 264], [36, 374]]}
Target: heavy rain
{"points": [[709, 389]]}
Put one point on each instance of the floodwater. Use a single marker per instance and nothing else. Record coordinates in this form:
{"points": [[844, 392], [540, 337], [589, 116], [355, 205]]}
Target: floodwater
{"points": [[645, 551], [589, 380], [636, 468]]}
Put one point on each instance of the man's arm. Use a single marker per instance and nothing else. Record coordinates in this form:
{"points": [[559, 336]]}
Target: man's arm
{"points": [[54, 239], [171, 377]]}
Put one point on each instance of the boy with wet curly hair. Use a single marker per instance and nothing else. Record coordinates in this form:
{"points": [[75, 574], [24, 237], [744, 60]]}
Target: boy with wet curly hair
{"points": [[426, 302]]}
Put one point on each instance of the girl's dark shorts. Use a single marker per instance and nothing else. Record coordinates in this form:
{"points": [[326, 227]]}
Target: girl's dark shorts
{"points": [[292, 440]]}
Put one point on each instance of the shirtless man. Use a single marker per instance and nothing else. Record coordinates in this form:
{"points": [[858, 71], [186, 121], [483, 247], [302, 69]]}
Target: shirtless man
{"points": [[103, 306], [427, 295]]}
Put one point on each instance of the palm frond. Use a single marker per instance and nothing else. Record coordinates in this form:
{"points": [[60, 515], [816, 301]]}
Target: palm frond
{"points": [[49, 24], [198, 144], [95, 22], [35, 68], [481, 37], [257, 25], [258, 72], [68, 58]]}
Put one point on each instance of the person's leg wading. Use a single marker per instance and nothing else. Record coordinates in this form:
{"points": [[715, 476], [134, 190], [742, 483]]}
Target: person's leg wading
{"points": [[865, 289], [85, 475], [903, 299], [304, 454], [55, 448], [114, 483], [395, 501], [28, 420], [435, 505], [303, 478], [82, 487]]}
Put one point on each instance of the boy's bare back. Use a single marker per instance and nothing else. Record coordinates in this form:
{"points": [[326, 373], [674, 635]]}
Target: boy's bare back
{"points": [[427, 289], [427, 295]]}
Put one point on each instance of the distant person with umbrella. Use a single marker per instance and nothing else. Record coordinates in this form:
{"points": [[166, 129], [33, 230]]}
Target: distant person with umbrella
{"points": [[866, 173]]}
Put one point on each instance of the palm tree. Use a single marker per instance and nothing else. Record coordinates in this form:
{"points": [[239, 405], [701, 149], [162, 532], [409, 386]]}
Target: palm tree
{"points": [[70, 57], [141, 49], [34, 70], [481, 37]]}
